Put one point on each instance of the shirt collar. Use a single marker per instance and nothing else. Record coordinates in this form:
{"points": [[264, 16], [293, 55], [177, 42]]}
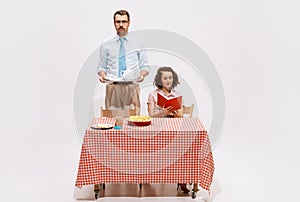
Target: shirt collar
{"points": [[172, 93], [127, 37]]}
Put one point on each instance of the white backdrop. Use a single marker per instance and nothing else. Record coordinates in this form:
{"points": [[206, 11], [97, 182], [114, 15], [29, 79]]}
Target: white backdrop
{"points": [[254, 45]]}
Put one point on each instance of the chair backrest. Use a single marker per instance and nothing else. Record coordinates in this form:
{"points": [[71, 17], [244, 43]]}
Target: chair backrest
{"points": [[117, 112], [188, 110]]}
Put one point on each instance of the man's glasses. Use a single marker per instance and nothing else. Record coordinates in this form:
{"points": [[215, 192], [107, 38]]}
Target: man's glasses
{"points": [[121, 21]]}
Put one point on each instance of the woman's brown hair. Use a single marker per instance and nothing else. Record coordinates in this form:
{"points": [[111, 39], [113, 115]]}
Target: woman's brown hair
{"points": [[157, 80]]}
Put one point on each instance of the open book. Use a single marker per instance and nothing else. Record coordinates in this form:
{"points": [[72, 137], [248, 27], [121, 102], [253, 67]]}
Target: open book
{"points": [[165, 102]]}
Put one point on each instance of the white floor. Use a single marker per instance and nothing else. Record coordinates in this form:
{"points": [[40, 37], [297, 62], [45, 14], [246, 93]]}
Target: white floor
{"points": [[247, 169], [148, 191]]}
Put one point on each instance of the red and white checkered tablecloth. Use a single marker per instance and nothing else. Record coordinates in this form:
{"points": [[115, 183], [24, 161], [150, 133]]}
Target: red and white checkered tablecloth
{"points": [[170, 150]]}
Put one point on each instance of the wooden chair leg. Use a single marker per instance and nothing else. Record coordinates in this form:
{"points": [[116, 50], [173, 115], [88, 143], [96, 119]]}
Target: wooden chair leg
{"points": [[96, 190], [195, 187], [195, 190]]}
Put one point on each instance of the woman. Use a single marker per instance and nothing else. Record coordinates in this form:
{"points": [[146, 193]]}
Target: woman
{"points": [[165, 80]]}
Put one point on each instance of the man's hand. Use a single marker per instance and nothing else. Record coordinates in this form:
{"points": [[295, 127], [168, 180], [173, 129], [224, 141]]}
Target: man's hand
{"points": [[143, 74], [140, 78], [102, 77]]}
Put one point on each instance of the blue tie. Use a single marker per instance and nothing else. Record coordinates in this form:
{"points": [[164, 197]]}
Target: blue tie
{"points": [[122, 59]]}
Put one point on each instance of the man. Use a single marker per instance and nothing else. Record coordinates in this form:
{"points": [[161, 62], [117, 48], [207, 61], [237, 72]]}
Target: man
{"points": [[122, 59]]}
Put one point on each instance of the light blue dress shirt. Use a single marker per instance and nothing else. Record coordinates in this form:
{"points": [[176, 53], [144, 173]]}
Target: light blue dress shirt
{"points": [[136, 59]]}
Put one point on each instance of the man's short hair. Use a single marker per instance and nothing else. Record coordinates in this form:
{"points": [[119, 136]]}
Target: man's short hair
{"points": [[122, 12]]}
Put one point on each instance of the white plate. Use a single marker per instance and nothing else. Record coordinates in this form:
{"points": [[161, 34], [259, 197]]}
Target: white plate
{"points": [[120, 81], [102, 126]]}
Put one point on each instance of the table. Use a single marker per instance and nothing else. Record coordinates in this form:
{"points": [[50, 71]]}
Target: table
{"points": [[170, 150]]}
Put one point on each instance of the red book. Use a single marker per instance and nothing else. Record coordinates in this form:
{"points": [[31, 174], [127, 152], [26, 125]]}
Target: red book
{"points": [[165, 102]]}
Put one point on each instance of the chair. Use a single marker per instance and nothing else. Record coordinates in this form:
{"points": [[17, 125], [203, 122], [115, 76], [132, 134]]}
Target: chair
{"points": [[188, 110], [117, 112]]}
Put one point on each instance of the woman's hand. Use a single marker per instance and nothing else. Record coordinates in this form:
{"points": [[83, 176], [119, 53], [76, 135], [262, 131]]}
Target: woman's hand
{"points": [[172, 113], [168, 111]]}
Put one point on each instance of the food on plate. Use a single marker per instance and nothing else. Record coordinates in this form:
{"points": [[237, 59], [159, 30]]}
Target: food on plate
{"points": [[140, 118]]}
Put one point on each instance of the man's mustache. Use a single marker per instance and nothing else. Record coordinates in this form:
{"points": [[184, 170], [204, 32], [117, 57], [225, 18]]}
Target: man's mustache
{"points": [[121, 28]]}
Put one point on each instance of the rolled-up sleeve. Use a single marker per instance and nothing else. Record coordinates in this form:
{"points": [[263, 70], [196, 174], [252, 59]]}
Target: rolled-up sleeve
{"points": [[143, 61], [102, 63], [152, 97]]}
